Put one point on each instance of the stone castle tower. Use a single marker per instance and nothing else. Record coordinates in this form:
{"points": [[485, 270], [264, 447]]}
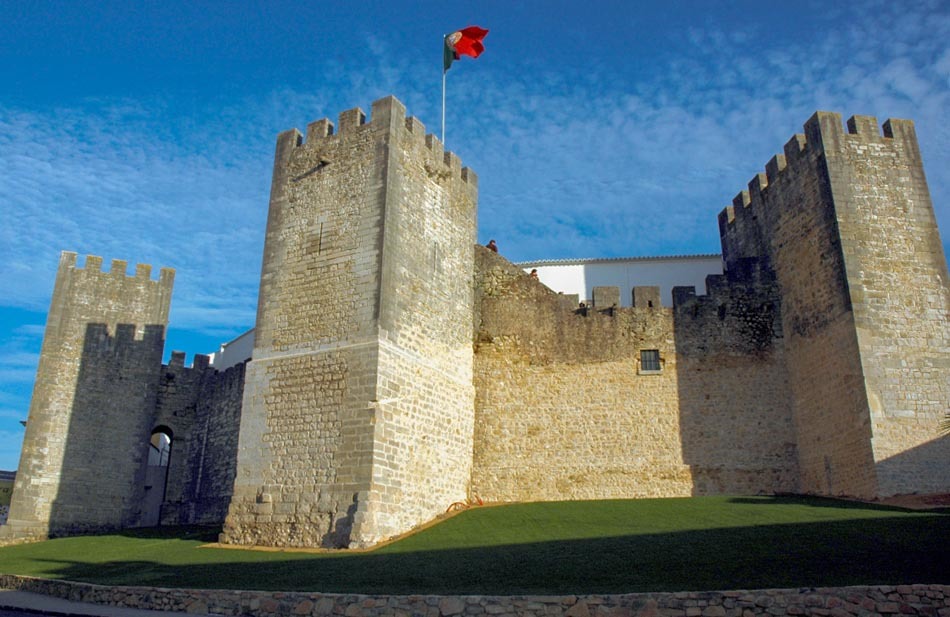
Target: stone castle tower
{"points": [[358, 403], [397, 368], [82, 466], [845, 222]]}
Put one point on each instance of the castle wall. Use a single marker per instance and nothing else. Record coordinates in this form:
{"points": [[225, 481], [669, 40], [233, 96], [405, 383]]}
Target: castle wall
{"points": [[83, 461], [734, 399], [564, 409], [357, 356], [202, 408], [787, 218], [305, 445], [425, 397]]}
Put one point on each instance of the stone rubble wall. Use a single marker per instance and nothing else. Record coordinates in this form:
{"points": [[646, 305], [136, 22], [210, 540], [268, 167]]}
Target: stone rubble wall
{"points": [[857, 601], [734, 401]]}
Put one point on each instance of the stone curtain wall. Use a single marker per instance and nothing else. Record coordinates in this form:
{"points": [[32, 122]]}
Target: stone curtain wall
{"points": [[732, 386], [561, 412], [83, 461], [860, 601], [202, 407], [564, 411], [354, 420], [900, 296], [178, 394]]}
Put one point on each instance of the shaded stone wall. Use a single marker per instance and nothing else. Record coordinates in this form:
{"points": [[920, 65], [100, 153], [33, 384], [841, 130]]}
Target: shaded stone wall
{"points": [[900, 296], [83, 461], [735, 404], [202, 407], [791, 211]]}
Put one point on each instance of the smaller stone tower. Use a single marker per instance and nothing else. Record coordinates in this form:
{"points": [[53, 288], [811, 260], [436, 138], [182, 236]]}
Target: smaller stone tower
{"points": [[845, 221], [358, 405], [83, 461]]}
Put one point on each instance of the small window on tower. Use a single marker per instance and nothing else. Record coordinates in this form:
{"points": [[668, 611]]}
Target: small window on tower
{"points": [[649, 361]]}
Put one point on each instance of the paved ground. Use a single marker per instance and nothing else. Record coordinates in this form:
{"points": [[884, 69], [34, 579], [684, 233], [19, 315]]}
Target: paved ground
{"points": [[24, 604]]}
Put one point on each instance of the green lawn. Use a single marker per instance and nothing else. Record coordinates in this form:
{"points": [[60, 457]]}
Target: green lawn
{"points": [[564, 547]]}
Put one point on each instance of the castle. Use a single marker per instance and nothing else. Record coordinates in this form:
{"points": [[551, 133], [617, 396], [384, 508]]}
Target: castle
{"points": [[398, 368]]}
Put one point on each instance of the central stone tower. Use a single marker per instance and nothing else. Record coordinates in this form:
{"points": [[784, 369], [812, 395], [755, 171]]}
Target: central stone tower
{"points": [[358, 406]]}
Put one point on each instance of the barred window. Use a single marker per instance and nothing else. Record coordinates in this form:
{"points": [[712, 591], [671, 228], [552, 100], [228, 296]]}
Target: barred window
{"points": [[649, 359]]}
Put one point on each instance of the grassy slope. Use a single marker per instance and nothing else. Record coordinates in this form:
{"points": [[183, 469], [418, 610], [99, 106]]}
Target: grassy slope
{"points": [[565, 547]]}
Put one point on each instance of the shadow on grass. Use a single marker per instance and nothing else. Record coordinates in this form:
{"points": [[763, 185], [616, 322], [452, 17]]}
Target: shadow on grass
{"points": [[830, 502], [892, 550]]}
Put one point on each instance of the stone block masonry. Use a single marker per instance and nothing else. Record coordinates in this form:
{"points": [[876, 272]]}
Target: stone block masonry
{"points": [[82, 465], [357, 412]]}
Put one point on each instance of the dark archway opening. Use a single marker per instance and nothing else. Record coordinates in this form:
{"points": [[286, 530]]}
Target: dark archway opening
{"points": [[156, 475]]}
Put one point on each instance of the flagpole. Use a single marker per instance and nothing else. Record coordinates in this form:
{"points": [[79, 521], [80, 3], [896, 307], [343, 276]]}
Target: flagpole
{"points": [[443, 106], [444, 71]]}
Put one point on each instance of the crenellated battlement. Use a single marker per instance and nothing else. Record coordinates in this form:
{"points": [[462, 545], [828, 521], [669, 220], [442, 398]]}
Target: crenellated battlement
{"points": [[118, 268], [746, 226], [177, 361], [386, 114]]}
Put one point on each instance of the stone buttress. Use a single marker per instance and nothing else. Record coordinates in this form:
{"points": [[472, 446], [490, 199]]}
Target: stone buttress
{"points": [[358, 405]]}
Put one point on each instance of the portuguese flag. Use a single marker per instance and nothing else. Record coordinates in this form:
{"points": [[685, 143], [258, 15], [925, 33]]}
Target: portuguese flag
{"points": [[467, 41]]}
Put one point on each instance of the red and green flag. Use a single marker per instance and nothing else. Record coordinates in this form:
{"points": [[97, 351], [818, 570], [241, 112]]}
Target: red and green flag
{"points": [[467, 42]]}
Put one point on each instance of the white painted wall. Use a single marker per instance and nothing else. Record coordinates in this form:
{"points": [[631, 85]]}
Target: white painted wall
{"points": [[580, 276], [233, 352]]}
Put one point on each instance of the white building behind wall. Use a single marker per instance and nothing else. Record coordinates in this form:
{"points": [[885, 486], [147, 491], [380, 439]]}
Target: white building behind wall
{"points": [[570, 276], [580, 276]]}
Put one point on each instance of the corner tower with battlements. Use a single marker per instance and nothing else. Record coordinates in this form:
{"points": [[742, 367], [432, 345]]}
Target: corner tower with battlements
{"points": [[358, 405], [845, 221], [82, 467]]}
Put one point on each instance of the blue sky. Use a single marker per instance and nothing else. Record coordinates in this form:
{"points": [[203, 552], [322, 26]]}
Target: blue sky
{"points": [[145, 130]]}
